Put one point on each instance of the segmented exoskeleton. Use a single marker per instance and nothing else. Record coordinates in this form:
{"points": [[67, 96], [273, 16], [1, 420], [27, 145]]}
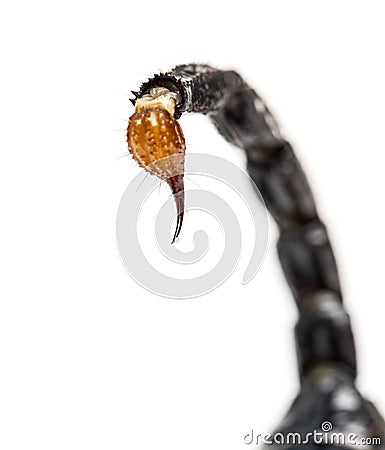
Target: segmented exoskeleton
{"points": [[324, 339]]}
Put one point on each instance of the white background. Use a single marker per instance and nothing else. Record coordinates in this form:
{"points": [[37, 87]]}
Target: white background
{"points": [[89, 360]]}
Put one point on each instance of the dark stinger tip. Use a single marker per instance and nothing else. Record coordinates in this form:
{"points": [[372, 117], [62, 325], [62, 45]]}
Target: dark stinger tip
{"points": [[176, 184]]}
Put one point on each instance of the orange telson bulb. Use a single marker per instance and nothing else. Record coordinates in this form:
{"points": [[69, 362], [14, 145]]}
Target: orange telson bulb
{"points": [[156, 142]]}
